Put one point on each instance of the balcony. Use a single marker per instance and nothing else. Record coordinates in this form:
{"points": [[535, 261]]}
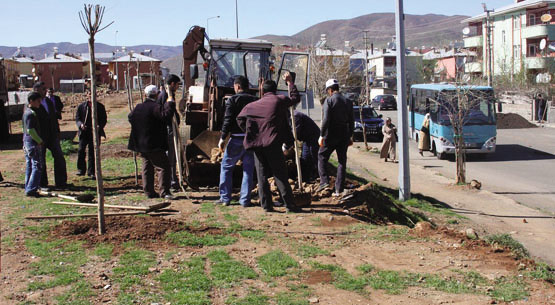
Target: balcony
{"points": [[537, 62], [539, 30], [473, 67], [473, 41]]}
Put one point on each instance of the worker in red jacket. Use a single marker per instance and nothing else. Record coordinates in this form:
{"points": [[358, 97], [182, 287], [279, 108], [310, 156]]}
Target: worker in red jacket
{"points": [[266, 127]]}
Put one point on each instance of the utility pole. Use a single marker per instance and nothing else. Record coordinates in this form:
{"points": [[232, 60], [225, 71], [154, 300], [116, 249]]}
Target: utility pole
{"points": [[236, 19], [116, 55], [488, 46], [404, 169], [366, 89]]}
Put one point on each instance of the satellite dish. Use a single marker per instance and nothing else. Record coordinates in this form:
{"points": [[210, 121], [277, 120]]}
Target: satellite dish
{"points": [[546, 18], [466, 30], [543, 44]]}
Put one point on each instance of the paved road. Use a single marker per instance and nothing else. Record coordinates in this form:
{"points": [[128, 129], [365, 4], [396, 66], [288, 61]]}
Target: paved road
{"points": [[523, 167]]}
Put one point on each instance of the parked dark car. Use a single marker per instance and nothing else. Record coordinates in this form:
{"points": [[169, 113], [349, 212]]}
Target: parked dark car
{"points": [[372, 121], [385, 101]]}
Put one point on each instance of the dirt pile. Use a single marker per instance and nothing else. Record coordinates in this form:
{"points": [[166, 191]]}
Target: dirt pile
{"points": [[512, 121], [118, 229], [370, 203]]}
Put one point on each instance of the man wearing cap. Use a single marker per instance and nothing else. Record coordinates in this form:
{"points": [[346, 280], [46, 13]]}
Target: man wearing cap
{"points": [[48, 118], [149, 138], [335, 135], [266, 130]]}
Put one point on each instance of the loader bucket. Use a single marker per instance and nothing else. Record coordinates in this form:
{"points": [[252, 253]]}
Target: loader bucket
{"points": [[205, 141]]}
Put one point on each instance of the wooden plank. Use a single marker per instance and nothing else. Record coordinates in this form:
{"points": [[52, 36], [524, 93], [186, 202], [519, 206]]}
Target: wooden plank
{"points": [[123, 207], [82, 215]]}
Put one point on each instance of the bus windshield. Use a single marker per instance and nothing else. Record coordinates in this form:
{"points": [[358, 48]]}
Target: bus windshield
{"points": [[231, 63], [482, 111]]}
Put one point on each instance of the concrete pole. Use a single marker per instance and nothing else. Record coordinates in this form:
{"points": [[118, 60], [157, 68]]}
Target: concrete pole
{"points": [[117, 75], [236, 19], [404, 169]]}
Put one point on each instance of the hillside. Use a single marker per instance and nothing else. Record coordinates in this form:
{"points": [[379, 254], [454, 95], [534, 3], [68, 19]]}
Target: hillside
{"points": [[429, 30]]}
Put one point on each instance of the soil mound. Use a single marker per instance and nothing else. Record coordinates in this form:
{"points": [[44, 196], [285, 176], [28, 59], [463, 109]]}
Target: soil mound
{"points": [[118, 229], [512, 121]]}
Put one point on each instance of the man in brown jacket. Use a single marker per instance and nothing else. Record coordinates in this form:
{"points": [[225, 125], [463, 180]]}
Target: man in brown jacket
{"points": [[265, 124]]}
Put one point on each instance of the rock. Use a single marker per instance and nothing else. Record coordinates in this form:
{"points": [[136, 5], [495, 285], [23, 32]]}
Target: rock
{"points": [[313, 300], [470, 233], [384, 179], [422, 227], [107, 287], [331, 218], [475, 184]]}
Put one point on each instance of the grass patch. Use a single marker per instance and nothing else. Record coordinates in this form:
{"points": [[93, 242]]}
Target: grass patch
{"points": [[188, 284], [249, 299], [544, 272], [104, 251], [341, 278], [427, 206], [276, 263], [79, 294], [509, 289], [456, 284], [133, 265], [308, 251], [208, 208], [506, 240], [119, 140], [59, 260], [255, 235], [290, 298], [225, 271], [184, 239]]}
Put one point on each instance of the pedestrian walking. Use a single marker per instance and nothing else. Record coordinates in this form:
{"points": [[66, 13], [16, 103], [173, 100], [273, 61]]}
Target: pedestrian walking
{"points": [[424, 135], [83, 119], [389, 144], [541, 105], [32, 145], [166, 92], [336, 135], [234, 150], [266, 130], [149, 138], [48, 117]]}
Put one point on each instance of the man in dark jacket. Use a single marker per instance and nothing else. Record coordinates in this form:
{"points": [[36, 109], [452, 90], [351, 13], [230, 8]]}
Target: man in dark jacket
{"points": [[235, 150], [48, 118], [56, 101], [83, 119], [308, 133], [336, 134], [173, 83], [266, 128], [149, 138]]}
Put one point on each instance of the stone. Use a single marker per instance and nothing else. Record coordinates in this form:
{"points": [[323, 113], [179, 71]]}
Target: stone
{"points": [[313, 300], [470, 233], [475, 184]]}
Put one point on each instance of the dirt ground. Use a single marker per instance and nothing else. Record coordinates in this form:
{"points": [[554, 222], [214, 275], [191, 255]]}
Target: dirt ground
{"points": [[353, 252]]}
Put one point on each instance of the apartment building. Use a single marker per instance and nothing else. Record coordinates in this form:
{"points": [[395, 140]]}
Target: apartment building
{"points": [[517, 31]]}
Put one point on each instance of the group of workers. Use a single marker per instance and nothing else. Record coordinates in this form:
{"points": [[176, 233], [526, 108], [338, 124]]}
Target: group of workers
{"points": [[256, 130], [260, 135]]}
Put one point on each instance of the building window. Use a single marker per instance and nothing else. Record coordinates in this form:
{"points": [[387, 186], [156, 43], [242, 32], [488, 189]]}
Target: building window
{"points": [[532, 19], [532, 50], [503, 37], [517, 22], [516, 51]]}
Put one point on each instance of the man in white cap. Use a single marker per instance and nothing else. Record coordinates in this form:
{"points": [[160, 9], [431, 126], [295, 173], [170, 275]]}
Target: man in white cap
{"points": [[335, 135], [149, 138]]}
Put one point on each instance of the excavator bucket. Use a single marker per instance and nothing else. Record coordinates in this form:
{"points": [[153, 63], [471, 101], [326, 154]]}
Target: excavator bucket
{"points": [[205, 141]]}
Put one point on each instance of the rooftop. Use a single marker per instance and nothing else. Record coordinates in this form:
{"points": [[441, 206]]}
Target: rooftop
{"points": [[59, 58], [135, 57], [442, 53]]}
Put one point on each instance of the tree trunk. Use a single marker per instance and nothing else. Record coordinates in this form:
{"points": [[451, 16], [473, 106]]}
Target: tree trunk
{"points": [[460, 155], [96, 140]]}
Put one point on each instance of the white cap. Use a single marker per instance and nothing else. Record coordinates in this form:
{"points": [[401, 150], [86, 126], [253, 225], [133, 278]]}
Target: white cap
{"points": [[331, 82], [151, 90]]}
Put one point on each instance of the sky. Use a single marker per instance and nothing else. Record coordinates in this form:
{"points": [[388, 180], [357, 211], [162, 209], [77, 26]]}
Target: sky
{"points": [[34, 22]]}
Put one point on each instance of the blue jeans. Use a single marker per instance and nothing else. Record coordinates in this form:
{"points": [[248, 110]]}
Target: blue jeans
{"points": [[33, 168], [233, 153]]}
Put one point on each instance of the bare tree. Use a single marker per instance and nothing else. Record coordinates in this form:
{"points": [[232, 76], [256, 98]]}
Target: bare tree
{"points": [[460, 105], [92, 27]]}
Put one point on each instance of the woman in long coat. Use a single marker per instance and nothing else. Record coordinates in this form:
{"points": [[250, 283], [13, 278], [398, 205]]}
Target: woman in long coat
{"points": [[424, 135], [389, 141]]}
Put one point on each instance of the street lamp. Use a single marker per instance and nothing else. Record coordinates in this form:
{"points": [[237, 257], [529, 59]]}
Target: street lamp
{"points": [[208, 19], [116, 57]]}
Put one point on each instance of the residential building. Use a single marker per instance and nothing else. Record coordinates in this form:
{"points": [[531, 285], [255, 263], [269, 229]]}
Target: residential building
{"points": [[54, 68], [148, 68], [517, 31], [449, 64]]}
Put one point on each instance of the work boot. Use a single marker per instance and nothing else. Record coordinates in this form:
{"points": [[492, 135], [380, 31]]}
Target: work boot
{"points": [[322, 187]]}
